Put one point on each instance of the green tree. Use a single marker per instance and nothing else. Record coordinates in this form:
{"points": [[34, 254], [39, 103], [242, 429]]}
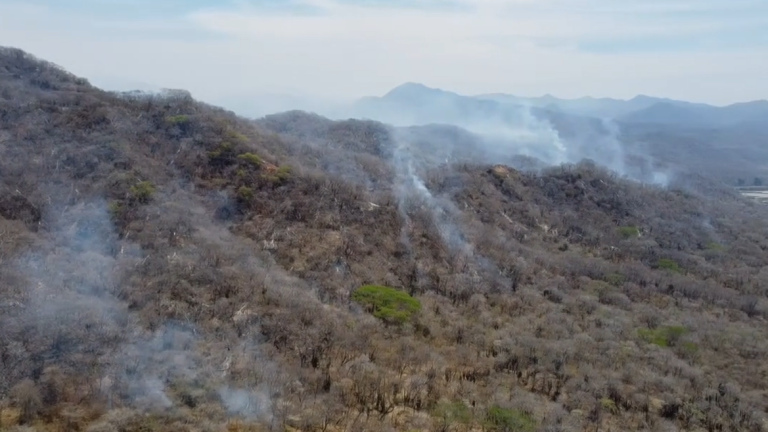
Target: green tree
{"points": [[388, 304]]}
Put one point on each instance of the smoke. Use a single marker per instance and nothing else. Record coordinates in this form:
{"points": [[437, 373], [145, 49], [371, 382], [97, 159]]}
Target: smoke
{"points": [[412, 191], [149, 364], [69, 301], [73, 311], [436, 132], [500, 133], [517, 132], [562, 140], [249, 404], [74, 316]]}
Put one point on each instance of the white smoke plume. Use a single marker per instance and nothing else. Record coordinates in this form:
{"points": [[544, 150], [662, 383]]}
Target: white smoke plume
{"points": [[502, 132], [73, 317], [413, 192]]}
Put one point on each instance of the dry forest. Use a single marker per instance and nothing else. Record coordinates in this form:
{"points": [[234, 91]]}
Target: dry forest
{"points": [[166, 265]]}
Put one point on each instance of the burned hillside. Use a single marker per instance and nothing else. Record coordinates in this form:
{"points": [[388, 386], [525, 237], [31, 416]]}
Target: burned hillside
{"points": [[167, 265]]}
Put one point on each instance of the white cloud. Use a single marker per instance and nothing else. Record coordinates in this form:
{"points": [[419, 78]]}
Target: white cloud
{"points": [[343, 49], [573, 20]]}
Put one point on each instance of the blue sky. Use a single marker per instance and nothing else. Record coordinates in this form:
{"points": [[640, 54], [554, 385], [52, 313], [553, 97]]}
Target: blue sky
{"points": [[702, 50]]}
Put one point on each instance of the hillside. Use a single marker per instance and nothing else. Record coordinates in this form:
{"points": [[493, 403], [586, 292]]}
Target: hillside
{"points": [[169, 266], [731, 154]]}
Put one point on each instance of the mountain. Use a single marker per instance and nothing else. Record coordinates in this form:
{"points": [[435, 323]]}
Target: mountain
{"points": [[259, 104], [699, 115], [168, 265], [416, 104], [650, 134], [586, 106], [640, 109]]}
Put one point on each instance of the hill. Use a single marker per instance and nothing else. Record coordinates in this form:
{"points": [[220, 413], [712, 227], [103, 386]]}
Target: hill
{"points": [[167, 265]]}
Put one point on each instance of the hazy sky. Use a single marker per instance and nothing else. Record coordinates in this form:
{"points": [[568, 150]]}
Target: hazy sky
{"points": [[702, 50]]}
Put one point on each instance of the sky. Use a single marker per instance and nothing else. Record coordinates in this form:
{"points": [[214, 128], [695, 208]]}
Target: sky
{"points": [[225, 51]]}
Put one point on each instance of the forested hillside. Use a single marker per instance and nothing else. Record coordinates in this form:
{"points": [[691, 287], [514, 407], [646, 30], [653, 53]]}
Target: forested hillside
{"points": [[169, 266]]}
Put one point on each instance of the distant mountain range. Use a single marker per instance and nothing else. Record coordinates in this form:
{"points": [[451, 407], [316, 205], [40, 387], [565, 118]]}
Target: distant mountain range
{"points": [[414, 103]]}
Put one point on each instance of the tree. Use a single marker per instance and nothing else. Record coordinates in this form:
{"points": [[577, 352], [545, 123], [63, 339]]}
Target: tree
{"points": [[388, 304]]}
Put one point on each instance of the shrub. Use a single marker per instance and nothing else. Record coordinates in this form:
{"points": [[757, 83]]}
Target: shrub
{"points": [[688, 351], [177, 119], [278, 175], [236, 137], [116, 209], [609, 405], [142, 191], [668, 264], [388, 304], [713, 246], [597, 287], [27, 399], [628, 232], [245, 194], [222, 156], [508, 420], [251, 158], [667, 336], [615, 279], [283, 172], [453, 413]]}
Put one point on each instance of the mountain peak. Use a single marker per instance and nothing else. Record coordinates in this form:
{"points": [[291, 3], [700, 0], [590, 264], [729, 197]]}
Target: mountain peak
{"points": [[643, 98], [411, 90]]}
